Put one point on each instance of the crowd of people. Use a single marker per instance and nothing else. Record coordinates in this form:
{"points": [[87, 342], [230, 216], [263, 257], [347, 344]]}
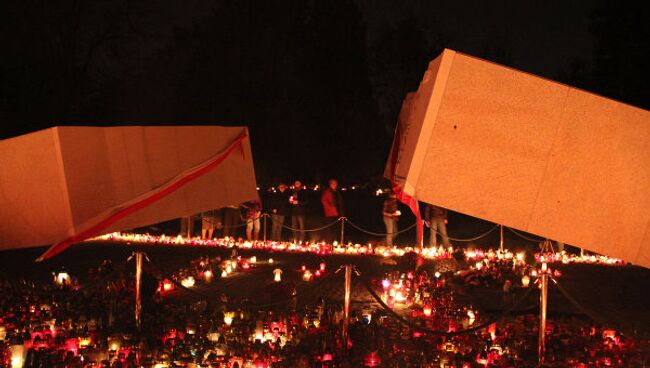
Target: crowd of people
{"points": [[287, 207]]}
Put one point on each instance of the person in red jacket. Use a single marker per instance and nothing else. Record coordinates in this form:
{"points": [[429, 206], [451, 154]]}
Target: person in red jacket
{"points": [[332, 207]]}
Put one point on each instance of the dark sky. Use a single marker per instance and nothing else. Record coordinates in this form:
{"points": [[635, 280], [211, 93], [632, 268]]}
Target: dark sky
{"points": [[541, 35], [319, 83]]}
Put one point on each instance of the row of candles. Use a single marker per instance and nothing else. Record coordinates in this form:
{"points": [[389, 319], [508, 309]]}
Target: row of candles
{"points": [[321, 248]]}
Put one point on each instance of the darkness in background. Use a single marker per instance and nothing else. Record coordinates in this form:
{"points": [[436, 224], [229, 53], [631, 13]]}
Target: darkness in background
{"points": [[319, 83]]}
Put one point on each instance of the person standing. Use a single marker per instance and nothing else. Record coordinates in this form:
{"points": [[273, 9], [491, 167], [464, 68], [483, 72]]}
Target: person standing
{"points": [[298, 211], [436, 218], [231, 217], [208, 224], [391, 216], [332, 202], [279, 209], [253, 214], [187, 226]]}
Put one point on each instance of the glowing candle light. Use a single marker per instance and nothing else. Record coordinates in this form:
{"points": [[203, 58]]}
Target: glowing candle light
{"points": [[114, 344], [214, 336], [228, 318], [479, 265], [521, 256], [188, 282], [84, 341], [167, 285], [270, 260], [277, 275], [224, 273], [385, 283], [492, 330], [471, 316], [525, 281], [306, 276], [62, 278], [399, 297], [17, 356], [207, 275], [427, 310]]}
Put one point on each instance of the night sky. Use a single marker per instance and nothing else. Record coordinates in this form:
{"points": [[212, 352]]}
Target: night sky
{"points": [[319, 83]]}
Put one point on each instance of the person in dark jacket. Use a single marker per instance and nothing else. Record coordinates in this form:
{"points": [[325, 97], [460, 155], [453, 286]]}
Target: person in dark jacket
{"points": [[231, 219], [298, 205], [391, 216], [279, 209], [436, 218], [332, 208]]}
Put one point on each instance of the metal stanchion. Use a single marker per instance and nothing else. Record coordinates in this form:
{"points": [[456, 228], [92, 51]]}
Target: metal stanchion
{"points": [[501, 241], [265, 215], [138, 299], [346, 306], [543, 300], [342, 229]]}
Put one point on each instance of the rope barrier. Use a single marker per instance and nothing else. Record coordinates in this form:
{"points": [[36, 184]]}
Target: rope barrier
{"points": [[205, 219], [316, 229], [419, 328], [362, 229], [469, 239], [413, 225], [378, 234], [595, 317], [524, 236]]}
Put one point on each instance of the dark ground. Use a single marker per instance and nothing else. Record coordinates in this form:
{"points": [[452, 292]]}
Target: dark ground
{"points": [[616, 295]]}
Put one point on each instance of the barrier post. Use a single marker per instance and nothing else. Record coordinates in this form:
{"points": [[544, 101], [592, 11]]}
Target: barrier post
{"points": [[543, 300], [346, 306], [138, 299], [501, 241], [265, 215], [342, 229]]}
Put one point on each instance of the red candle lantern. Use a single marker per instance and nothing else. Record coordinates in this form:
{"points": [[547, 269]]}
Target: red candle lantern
{"points": [[427, 309]]}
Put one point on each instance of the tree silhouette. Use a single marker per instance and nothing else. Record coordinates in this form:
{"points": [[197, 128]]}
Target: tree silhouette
{"points": [[292, 71], [60, 57]]}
